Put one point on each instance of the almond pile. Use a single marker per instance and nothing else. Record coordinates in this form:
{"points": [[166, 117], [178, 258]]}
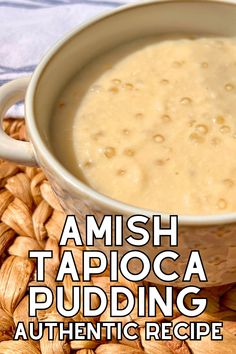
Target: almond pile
{"points": [[31, 218]]}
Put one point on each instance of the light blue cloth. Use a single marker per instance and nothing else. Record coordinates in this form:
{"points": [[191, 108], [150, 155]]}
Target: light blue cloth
{"points": [[28, 28]]}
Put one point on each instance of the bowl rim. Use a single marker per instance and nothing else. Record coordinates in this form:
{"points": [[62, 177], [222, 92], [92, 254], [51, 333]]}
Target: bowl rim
{"points": [[77, 185]]}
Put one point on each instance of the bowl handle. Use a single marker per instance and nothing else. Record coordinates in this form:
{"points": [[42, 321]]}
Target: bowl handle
{"points": [[17, 151]]}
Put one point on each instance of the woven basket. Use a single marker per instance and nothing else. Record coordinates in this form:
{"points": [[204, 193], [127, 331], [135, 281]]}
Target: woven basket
{"points": [[32, 218]]}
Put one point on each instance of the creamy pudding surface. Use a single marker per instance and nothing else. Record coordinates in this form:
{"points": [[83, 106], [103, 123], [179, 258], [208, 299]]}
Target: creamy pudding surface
{"points": [[153, 124]]}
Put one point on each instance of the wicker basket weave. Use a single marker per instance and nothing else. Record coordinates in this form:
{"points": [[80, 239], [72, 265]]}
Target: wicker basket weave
{"points": [[31, 218]]}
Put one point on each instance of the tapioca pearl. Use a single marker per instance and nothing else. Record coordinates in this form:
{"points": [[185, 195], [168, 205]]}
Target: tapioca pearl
{"points": [[215, 141], [116, 81], [165, 118], [109, 152], [178, 64], [129, 152], [196, 138], [125, 131], [88, 164], [221, 204], [202, 128], [229, 87], [158, 138], [164, 82], [121, 172], [185, 100], [204, 65], [114, 89], [219, 120], [161, 162], [139, 115], [128, 86], [228, 182], [225, 129]]}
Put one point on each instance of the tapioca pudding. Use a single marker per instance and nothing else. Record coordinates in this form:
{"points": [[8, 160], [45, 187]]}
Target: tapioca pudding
{"points": [[153, 124]]}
